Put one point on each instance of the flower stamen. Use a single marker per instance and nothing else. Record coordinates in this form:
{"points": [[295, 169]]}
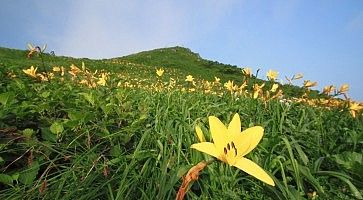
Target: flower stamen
{"points": [[230, 146]]}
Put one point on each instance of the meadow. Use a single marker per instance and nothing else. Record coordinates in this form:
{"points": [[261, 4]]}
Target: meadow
{"points": [[122, 128]]}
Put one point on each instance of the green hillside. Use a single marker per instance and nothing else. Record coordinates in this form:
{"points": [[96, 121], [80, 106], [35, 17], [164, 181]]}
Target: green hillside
{"points": [[181, 59], [189, 62], [158, 125]]}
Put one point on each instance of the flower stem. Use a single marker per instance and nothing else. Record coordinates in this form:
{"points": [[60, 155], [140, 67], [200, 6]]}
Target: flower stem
{"points": [[192, 175]]}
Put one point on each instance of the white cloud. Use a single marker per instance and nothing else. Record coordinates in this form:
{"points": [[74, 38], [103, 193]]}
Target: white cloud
{"points": [[100, 29]]}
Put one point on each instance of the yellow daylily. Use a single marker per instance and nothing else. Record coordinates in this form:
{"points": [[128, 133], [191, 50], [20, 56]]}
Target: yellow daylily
{"points": [[102, 80], [274, 87], [297, 76], [32, 50], [160, 72], [354, 108], [247, 71], [272, 75], [74, 70], [344, 88], [257, 90], [200, 134], [231, 145], [217, 80], [56, 69], [308, 83], [189, 78], [328, 89], [230, 86], [31, 71]]}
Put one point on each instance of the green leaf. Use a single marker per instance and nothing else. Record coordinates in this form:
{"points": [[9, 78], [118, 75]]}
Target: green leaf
{"points": [[89, 97], [345, 178], [6, 179], [183, 170], [48, 135], [351, 161], [28, 175], [15, 176], [299, 150], [28, 133], [7, 98], [56, 128], [75, 115], [2, 161], [45, 94]]}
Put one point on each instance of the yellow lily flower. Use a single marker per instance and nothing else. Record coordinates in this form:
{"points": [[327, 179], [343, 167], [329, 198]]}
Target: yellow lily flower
{"points": [[230, 86], [309, 83], [344, 88], [247, 71], [160, 72], [257, 90], [231, 145], [200, 134], [328, 89], [272, 75], [74, 70], [102, 80], [189, 78], [32, 50], [354, 108], [274, 87], [297, 76], [31, 71], [56, 69]]}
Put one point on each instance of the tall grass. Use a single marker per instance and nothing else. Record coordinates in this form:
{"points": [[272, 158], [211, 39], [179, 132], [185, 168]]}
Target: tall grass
{"points": [[61, 140]]}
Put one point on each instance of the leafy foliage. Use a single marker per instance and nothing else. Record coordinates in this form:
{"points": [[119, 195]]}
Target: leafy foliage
{"points": [[60, 139]]}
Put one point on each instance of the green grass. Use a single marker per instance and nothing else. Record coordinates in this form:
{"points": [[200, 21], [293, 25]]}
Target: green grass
{"points": [[61, 140]]}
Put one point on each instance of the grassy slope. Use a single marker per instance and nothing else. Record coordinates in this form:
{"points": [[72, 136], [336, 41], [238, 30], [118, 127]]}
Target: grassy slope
{"points": [[183, 60], [134, 144], [189, 62]]}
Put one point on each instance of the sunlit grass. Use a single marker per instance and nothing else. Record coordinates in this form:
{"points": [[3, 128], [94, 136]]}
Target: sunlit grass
{"points": [[114, 129]]}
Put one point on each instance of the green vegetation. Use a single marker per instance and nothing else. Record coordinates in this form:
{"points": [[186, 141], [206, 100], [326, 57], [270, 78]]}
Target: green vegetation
{"points": [[60, 139]]}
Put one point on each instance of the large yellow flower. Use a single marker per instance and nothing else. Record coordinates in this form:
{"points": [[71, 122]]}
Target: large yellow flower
{"points": [[231, 145]]}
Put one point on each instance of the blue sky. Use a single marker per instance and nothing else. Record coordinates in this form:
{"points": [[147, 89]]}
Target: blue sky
{"points": [[321, 39]]}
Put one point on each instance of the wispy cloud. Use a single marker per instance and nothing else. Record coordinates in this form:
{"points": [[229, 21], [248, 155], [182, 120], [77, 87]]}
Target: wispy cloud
{"points": [[97, 29], [356, 24]]}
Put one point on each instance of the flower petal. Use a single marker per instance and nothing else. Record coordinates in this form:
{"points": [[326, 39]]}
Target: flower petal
{"points": [[234, 126], [219, 133], [253, 169], [248, 139], [200, 134], [206, 147]]}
